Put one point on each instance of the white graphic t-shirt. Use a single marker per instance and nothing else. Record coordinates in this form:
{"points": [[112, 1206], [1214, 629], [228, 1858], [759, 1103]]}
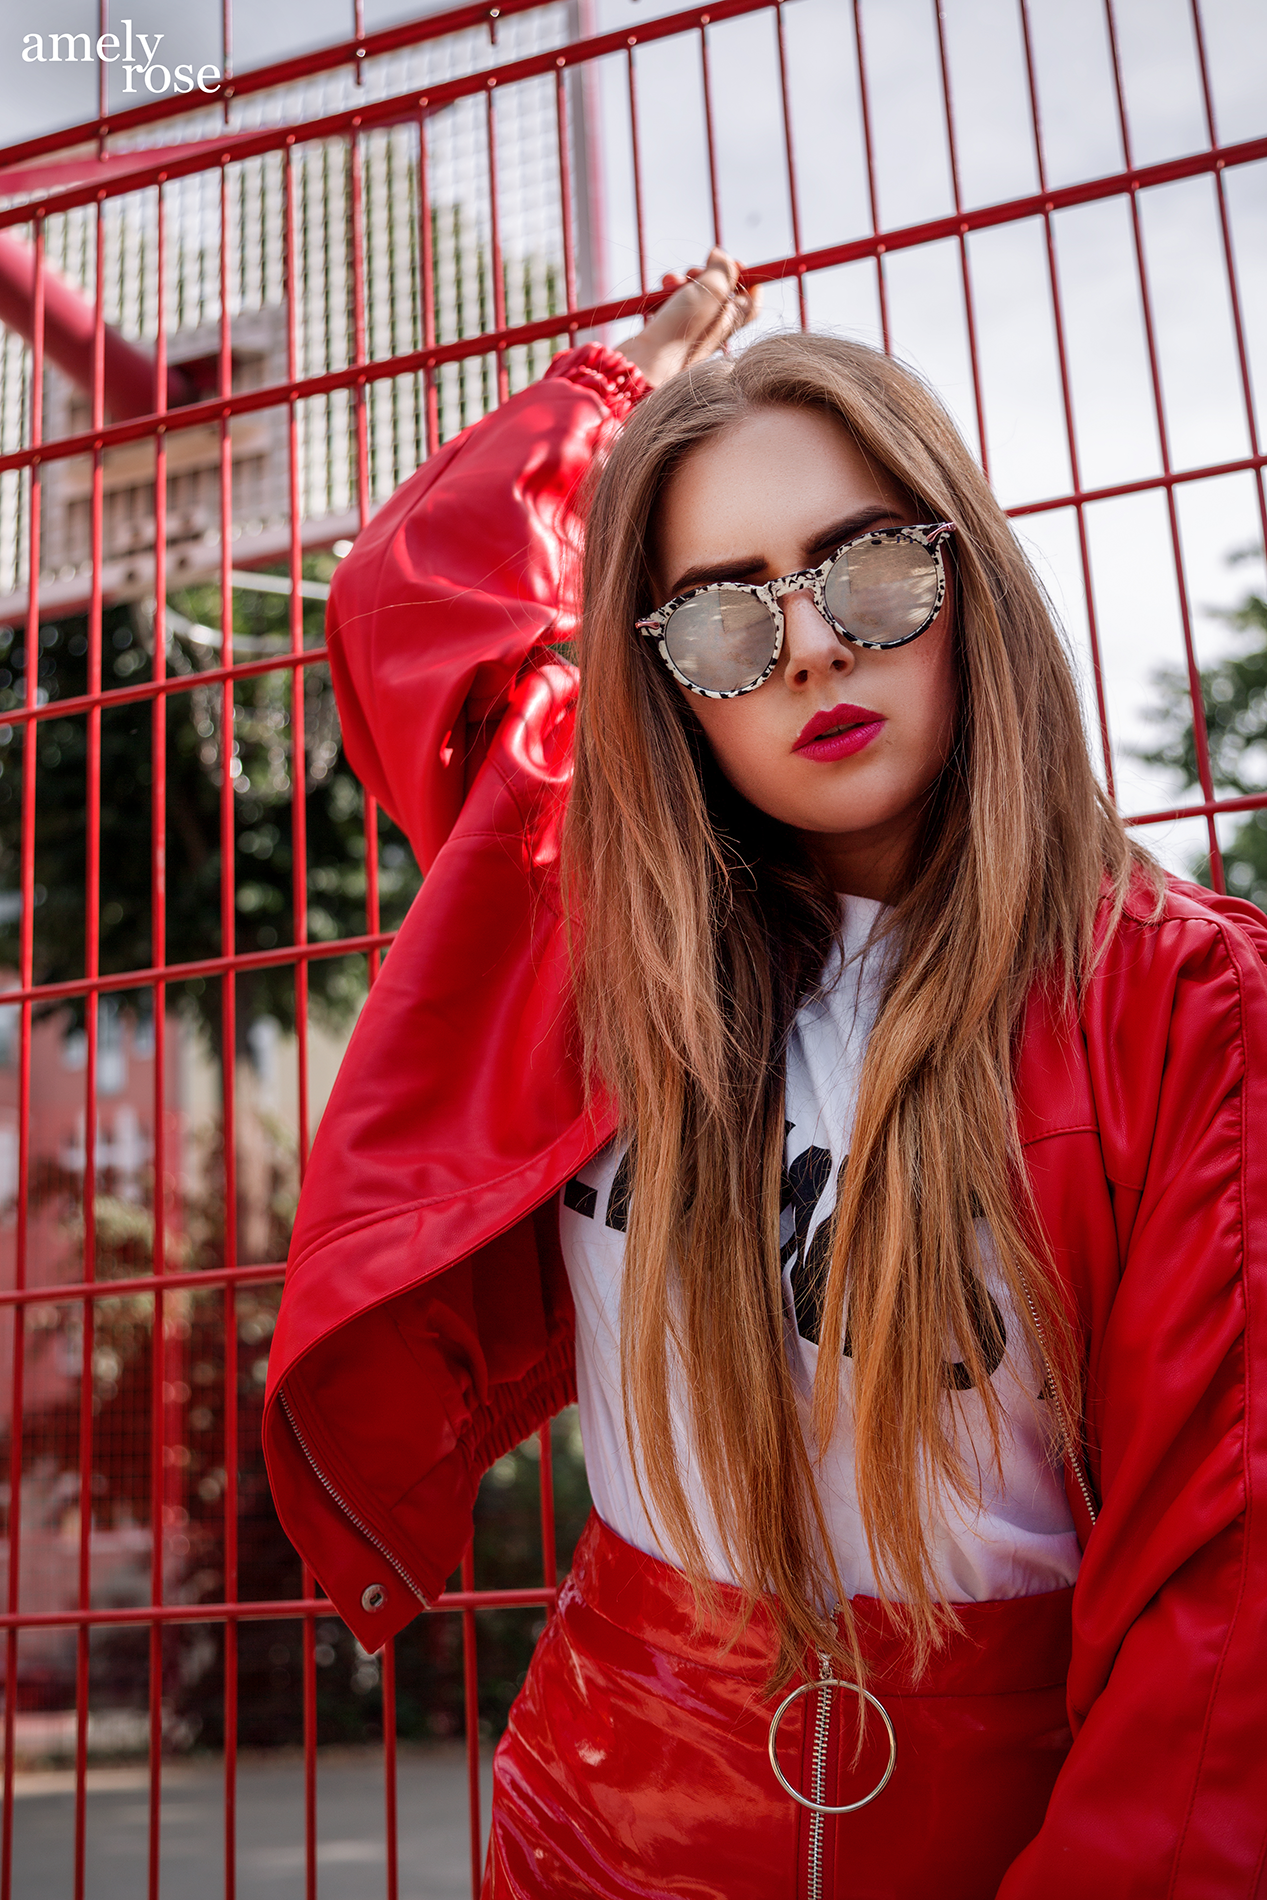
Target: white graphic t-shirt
{"points": [[1020, 1541]]}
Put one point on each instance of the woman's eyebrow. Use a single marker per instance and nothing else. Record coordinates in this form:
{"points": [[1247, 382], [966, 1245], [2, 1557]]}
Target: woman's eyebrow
{"points": [[709, 572], [743, 567], [850, 527]]}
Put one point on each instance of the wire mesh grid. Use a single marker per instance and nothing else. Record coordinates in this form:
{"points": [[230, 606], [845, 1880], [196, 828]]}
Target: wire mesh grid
{"points": [[329, 273]]}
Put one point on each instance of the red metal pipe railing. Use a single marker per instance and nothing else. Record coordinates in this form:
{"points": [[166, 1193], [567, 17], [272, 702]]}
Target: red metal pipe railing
{"points": [[266, 1609], [129, 379], [876, 248]]}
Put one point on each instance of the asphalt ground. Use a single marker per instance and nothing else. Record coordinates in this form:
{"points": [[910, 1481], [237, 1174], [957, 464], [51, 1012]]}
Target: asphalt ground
{"points": [[434, 1843]]}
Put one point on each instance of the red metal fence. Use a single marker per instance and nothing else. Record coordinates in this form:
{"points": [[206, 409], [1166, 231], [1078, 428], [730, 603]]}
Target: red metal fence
{"points": [[141, 1271]]}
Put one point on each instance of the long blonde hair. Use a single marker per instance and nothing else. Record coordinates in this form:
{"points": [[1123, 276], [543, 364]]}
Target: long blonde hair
{"points": [[699, 927]]}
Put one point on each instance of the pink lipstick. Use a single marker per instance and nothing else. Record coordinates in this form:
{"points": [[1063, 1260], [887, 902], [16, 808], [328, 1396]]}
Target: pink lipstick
{"points": [[835, 734]]}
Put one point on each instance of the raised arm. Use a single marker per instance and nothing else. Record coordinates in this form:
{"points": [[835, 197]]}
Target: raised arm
{"points": [[473, 565]]}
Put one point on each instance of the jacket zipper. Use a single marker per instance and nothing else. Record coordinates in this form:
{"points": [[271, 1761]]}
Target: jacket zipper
{"points": [[818, 1772], [1072, 1452], [358, 1523]]}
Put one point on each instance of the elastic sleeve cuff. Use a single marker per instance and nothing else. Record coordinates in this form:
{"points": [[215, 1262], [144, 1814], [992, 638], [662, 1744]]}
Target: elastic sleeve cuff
{"points": [[613, 378]]}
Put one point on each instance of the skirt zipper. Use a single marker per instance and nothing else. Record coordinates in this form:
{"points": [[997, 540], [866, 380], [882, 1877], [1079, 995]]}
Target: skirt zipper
{"points": [[357, 1523], [822, 1733]]}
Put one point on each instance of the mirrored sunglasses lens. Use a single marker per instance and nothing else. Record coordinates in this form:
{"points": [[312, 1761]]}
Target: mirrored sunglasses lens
{"points": [[884, 591], [721, 640]]}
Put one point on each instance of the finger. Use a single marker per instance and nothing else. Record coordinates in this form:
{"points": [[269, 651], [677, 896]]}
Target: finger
{"points": [[748, 303], [724, 264]]}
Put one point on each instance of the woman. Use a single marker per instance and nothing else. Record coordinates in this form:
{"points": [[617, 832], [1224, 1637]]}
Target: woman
{"points": [[925, 1557]]}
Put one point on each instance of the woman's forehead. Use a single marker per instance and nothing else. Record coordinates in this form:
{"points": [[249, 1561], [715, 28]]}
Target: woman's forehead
{"points": [[768, 485]]}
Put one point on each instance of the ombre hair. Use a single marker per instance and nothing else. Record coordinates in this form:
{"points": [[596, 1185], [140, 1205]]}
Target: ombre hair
{"points": [[699, 926]]}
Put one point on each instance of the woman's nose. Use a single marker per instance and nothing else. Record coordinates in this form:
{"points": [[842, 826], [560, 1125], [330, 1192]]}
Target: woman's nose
{"points": [[814, 649]]}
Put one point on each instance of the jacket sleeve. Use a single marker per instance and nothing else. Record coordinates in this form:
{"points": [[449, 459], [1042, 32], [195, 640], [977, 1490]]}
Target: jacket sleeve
{"points": [[472, 565], [1164, 1793]]}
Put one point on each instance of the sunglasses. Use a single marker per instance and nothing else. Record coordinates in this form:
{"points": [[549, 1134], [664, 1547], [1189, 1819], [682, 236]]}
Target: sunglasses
{"points": [[882, 590]]}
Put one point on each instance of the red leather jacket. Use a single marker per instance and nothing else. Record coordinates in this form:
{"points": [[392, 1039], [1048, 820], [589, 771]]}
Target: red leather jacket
{"points": [[427, 1326]]}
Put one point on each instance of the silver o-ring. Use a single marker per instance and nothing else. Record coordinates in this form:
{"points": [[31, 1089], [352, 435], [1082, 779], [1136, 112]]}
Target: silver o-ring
{"points": [[831, 1682]]}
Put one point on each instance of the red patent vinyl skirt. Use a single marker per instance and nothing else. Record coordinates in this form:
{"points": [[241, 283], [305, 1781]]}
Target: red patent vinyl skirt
{"points": [[636, 1763]]}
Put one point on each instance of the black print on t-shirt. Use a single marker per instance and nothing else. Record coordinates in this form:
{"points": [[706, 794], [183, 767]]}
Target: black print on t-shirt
{"points": [[804, 1182], [583, 1199], [580, 1198]]}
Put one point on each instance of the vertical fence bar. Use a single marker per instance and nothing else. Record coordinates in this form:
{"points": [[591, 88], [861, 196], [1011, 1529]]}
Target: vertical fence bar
{"points": [[390, 1819], [298, 737], [864, 99], [713, 188], [158, 956], [789, 157], [370, 804], [229, 1309], [299, 843], [1200, 736], [226, 53], [373, 917], [471, 1703], [636, 155], [549, 1555], [358, 328], [228, 1057], [26, 941], [1229, 265], [427, 289], [565, 193], [1066, 396], [310, 1740], [103, 90], [495, 242], [92, 913], [965, 273]]}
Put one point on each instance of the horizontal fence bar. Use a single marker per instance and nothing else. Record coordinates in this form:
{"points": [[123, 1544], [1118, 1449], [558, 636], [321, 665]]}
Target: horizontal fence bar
{"points": [[1252, 801], [209, 966], [355, 376], [1164, 479], [61, 1293], [153, 689], [255, 1610]]}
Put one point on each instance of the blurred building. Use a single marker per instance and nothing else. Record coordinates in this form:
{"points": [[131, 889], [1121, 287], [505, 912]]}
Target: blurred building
{"points": [[323, 188]]}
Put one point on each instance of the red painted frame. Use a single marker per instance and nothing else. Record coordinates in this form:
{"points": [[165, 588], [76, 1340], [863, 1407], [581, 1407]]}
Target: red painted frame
{"points": [[692, 27]]}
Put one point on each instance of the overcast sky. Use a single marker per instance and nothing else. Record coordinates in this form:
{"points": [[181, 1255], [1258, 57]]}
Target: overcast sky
{"points": [[1117, 435]]}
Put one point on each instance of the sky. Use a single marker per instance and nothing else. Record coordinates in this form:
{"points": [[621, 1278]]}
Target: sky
{"points": [[1136, 594]]}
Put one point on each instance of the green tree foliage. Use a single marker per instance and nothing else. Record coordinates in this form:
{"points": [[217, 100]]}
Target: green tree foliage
{"points": [[260, 756], [1234, 693]]}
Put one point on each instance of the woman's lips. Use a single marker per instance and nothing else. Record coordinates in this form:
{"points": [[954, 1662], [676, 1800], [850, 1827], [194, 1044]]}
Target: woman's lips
{"points": [[835, 734]]}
